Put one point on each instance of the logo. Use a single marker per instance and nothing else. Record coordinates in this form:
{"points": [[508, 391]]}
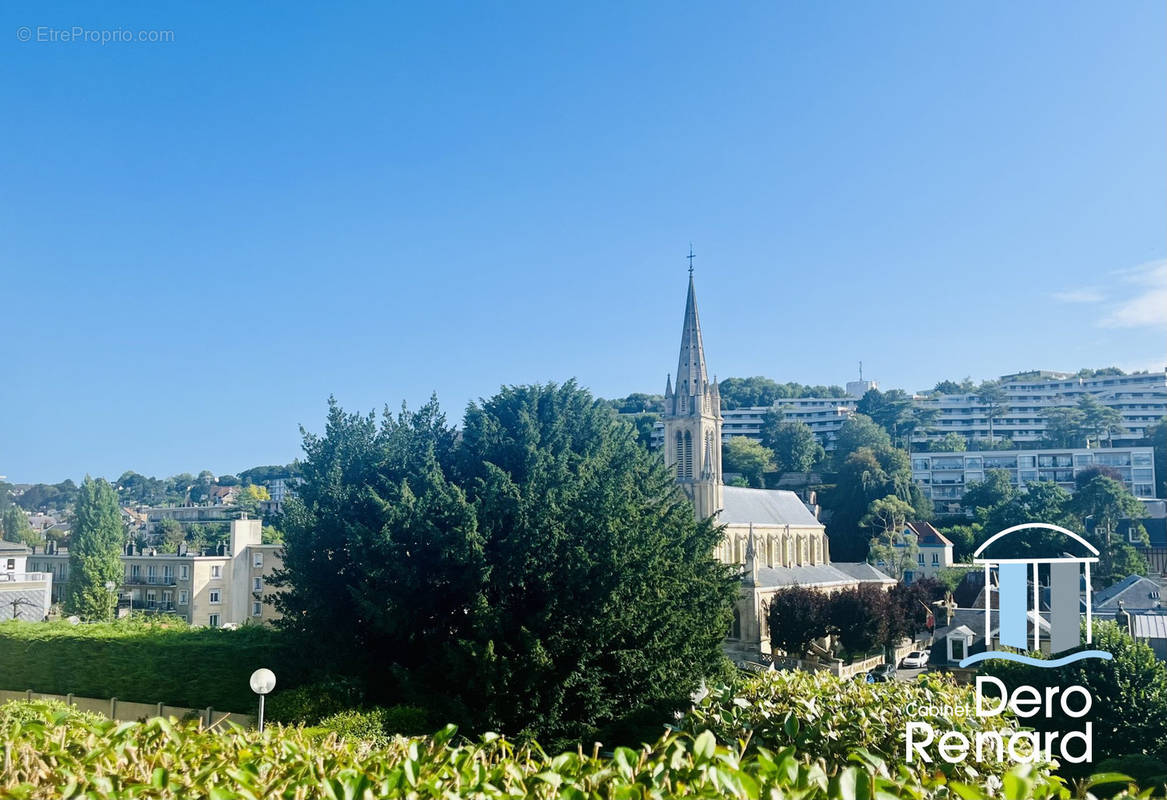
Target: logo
{"points": [[1025, 589], [1016, 615]]}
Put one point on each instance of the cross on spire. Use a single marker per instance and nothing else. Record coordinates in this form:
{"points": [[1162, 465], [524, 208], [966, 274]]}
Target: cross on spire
{"points": [[691, 256]]}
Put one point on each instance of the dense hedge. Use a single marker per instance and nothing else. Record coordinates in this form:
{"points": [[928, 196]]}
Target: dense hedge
{"points": [[159, 662], [826, 717], [62, 755]]}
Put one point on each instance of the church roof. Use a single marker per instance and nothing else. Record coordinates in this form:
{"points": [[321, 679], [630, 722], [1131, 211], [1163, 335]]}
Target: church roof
{"points": [[816, 576], [741, 506], [862, 571]]}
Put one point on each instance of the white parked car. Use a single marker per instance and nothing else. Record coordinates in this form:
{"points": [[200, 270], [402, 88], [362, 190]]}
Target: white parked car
{"points": [[917, 659]]}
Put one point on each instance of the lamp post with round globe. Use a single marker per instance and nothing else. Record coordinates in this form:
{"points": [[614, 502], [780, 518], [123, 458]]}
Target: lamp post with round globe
{"points": [[262, 682]]}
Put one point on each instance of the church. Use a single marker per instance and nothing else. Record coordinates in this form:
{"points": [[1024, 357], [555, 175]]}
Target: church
{"points": [[772, 534]]}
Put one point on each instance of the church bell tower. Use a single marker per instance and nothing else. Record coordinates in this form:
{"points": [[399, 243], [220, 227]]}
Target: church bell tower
{"points": [[692, 418]]}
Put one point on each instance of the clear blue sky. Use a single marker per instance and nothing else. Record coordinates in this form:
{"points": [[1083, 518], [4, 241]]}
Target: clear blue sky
{"points": [[203, 239]]}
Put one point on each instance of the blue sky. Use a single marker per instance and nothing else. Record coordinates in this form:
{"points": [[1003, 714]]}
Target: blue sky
{"points": [[203, 239]]}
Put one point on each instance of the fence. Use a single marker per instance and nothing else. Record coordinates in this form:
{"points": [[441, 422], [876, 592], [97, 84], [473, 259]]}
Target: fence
{"points": [[124, 711], [836, 667]]}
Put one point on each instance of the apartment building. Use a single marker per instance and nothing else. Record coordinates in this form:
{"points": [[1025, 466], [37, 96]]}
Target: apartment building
{"points": [[24, 592], [823, 415], [229, 587], [1140, 398], [944, 476]]}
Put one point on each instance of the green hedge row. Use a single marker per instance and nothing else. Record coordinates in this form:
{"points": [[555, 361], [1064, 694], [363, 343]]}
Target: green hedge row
{"points": [[159, 662]]}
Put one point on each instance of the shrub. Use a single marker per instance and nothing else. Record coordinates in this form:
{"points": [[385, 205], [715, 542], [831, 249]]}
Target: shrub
{"points": [[161, 760], [825, 717], [311, 703], [367, 726]]}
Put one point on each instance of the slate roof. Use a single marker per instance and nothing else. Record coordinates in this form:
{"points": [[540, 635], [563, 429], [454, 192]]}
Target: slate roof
{"points": [[862, 571], [741, 506], [1135, 592], [820, 575]]}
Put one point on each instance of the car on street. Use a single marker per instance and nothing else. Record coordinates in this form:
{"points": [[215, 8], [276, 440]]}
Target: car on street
{"points": [[882, 673], [917, 659]]}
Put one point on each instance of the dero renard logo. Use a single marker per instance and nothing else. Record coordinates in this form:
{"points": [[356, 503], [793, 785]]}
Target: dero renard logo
{"points": [[1024, 624]]}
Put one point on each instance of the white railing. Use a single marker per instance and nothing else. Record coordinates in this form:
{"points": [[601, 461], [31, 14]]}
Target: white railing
{"points": [[24, 577]]}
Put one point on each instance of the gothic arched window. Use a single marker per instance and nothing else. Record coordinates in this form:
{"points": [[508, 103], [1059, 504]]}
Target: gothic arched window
{"points": [[735, 630], [680, 456], [688, 455]]}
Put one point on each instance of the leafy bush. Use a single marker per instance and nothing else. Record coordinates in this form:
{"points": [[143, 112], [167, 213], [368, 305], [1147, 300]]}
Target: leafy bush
{"points": [[311, 703], [1146, 771], [160, 759], [146, 662], [367, 726], [825, 717]]}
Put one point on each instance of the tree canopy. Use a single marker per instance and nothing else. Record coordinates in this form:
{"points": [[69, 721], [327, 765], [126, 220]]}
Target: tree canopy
{"points": [[94, 551], [542, 573]]}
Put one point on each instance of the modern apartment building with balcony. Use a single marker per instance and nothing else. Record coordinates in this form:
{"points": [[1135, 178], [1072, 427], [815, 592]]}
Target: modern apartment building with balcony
{"points": [[1140, 398], [229, 587], [944, 476]]}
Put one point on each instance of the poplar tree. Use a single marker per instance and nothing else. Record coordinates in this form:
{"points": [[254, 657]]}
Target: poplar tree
{"points": [[94, 551]]}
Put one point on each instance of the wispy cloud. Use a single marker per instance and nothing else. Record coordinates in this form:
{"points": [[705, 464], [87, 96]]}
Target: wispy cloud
{"points": [[1087, 294], [1144, 300]]}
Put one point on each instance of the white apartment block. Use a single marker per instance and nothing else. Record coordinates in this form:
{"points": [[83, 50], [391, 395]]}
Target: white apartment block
{"points": [[944, 476], [24, 592], [823, 415], [1140, 398], [228, 588]]}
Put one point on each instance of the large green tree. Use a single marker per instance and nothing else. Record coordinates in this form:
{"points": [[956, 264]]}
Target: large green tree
{"points": [[542, 573], [1100, 505], [95, 550], [747, 458], [866, 475], [858, 431], [795, 447], [16, 528]]}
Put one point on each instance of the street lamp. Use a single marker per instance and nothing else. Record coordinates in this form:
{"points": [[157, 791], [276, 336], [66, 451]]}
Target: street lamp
{"points": [[109, 587], [262, 682]]}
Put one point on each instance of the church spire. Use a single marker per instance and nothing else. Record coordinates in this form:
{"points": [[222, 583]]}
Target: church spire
{"points": [[692, 377]]}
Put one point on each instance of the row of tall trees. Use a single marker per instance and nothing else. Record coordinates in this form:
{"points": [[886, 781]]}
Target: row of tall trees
{"points": [[859, 619]]}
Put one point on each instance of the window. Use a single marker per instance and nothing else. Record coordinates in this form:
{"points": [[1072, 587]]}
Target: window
{"points": [[213, 620], [182, 597], [935, 559], [214, 596], [257, 561], [216, 571], [11, 564], [256, 609], [184, 572], [920, 559], [257, 585], [957, 647]]}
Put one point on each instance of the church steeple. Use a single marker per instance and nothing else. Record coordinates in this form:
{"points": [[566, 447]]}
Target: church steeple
{"points": [[692, 417], [692, 377]]}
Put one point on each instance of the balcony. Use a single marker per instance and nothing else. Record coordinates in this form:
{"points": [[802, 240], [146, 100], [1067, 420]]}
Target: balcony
{"points": [[24, 577], [159, 606], [149, 580]]}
